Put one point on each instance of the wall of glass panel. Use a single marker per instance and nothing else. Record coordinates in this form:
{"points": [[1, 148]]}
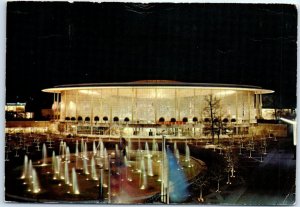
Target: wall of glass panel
{"points": [[149, 104]]}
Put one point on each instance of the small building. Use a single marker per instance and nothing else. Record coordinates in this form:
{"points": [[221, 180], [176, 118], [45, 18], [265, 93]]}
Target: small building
{"points": [[17, 111]]}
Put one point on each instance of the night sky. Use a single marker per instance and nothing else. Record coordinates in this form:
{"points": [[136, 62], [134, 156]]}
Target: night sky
{"points": [[59, 43]]}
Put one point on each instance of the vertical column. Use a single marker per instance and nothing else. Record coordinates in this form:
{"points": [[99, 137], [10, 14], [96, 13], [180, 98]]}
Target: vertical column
{"points": [[101, 105], [236, 106], [92, 111], [76, 105], [194, 102], [118, 105], [175, 101], [236, 111], [155, 109], [135, 104], [132, 104], [178, 105], [110, 104], [249, 107], [260, 105], [65, 105], [56, 106], [257, 105]]}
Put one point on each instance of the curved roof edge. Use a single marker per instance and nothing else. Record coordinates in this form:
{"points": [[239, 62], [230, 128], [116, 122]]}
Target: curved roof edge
{"points": [[155, 83]]}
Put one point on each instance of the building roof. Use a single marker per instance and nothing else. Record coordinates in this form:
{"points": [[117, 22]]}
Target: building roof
{"points": [[156, 83]]}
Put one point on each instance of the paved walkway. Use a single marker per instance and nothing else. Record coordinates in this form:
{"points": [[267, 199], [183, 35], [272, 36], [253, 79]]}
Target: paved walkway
{"points": [[276, 163]]}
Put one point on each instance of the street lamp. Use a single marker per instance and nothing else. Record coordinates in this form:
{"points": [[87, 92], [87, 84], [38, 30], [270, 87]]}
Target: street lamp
{"points": [[164, 172]]}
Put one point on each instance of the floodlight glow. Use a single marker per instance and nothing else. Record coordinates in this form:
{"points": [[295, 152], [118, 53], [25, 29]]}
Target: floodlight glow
{"points": [[294, 123]]}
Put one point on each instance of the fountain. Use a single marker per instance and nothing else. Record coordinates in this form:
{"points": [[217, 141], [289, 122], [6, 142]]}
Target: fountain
{"points": [[127, 152], [101, 149], [35, 182], [149, 167], [143, 175], [187, 155], [106, 161], [67, 154], [74, 182], [139, 175], [57, 166], [25, 167], [85, 167], [82, 147], [44, 152], [93, 169], [177, 155], [29, 172], [85, 156], [61, 149], [147, 150], [53, 164], [67, 179]]}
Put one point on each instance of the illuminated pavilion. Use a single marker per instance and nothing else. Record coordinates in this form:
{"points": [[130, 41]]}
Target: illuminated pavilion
{"points": [[144, 108]]}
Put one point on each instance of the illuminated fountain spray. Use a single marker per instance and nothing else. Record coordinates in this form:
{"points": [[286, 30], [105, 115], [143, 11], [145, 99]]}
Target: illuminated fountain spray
{"points": [[53, 164], [67, 179], [85, 167], [117, 154], [85, 151], [127, 165], [82, 147], [44, 152], [129, 149], [127, 152], [154, 147], [57, 166], [106, 161], [177, 155], [187, 155], [61, 149], [67, 155], [61, 169], [101, 151], [35, 182], [93, 169], [143, 175], [25, 167], [74, 182], [147, 150], [138, 161], [149, 167], [29, 172]]}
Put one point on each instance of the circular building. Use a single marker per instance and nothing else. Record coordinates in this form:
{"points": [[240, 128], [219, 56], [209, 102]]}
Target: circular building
{"points": [[145, 107]]}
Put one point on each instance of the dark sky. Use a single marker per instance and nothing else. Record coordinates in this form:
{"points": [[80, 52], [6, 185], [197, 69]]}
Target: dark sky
{"points": [[59, 43]]}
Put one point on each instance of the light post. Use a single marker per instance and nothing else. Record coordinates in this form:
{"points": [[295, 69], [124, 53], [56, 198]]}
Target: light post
{"points": [[164, 172]]}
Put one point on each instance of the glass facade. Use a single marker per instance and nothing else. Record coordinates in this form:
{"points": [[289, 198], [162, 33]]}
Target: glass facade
{"points": [[150, 104], [190, 109]]}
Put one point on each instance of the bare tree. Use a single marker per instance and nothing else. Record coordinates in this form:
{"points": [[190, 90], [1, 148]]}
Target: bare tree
{"points": [[200, 182], [213, 108]]}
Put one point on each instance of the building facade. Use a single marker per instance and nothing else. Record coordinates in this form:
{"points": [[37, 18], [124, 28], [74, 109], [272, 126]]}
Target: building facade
{"points": [[97, 108]]}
